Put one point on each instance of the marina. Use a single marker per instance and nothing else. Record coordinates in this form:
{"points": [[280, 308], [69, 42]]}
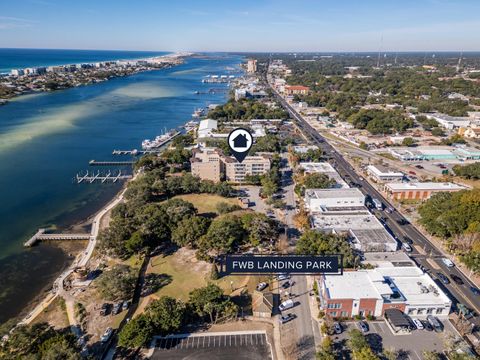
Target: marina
{"points": [[110, 163]]}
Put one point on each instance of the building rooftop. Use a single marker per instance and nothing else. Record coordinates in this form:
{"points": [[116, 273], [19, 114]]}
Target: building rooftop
{"points": [[383, 171], [412, 284], [207, 124], [377, 239], [333, 193], [323, 168], [436, 186], [345, 222]]}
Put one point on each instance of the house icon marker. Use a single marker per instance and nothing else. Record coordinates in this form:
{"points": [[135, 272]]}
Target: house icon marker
{"points": [[240, 141]]}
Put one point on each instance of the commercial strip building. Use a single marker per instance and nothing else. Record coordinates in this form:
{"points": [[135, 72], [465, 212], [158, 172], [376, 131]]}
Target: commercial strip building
{"points": [[296, 90], [323, 168], [372, 292], [419, 190], [380, 173], [450, 122], [435, 153], [321, 200], [212, 164]]}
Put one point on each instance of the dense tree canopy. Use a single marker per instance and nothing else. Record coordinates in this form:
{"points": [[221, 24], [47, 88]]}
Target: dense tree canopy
{"points": [[314, 242], [117, 283], [245, 109], [470, 171]]}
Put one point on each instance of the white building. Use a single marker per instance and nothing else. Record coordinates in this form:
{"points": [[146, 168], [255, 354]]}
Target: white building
{"points": [[206, 128], [380, 173], [320, 200], [450, 122], [419, 190], [371, 292], [323, 168]]}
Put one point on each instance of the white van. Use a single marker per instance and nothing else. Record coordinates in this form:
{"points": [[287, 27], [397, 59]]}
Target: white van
{"points": [[406, 247], [287, 304]]}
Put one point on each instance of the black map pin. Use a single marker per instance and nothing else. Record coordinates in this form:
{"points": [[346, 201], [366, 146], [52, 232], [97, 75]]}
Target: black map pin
{"points": [[240, 142]]}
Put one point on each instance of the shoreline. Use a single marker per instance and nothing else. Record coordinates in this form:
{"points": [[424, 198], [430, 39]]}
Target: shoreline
{"points": [[119, 71]]}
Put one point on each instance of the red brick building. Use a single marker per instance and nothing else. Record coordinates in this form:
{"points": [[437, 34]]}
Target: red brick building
{"points": [[296, 90]]}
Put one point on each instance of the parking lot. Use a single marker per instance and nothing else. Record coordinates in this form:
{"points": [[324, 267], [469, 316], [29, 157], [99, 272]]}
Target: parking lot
{"points": [[412, 345], [213, 346]]}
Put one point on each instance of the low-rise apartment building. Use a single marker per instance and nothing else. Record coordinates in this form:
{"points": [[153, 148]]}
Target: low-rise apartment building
{"points": [[296, 90], [371, 292], [419, 190]]}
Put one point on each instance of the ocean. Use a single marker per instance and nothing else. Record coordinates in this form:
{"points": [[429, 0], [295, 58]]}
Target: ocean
{"points": [[47, 138]]}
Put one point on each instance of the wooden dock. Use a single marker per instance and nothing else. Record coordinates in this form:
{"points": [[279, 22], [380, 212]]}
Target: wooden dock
{"points": [[40, 235], [108, 177]]}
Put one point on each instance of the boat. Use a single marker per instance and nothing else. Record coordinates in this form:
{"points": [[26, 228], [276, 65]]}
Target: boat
{"points": [[198, 112], [159, 141]]}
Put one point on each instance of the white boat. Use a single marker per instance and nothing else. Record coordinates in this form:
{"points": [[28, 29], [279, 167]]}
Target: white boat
{"points": [[159, 141]]}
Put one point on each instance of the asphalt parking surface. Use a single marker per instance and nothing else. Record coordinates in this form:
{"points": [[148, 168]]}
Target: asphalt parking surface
{"points": [[380, 337], [228, 346]]}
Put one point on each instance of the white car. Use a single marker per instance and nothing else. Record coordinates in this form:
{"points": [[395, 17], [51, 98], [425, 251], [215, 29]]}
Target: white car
{"points": [[418, 324], [106, 335], [288, 304], [448, 262]]}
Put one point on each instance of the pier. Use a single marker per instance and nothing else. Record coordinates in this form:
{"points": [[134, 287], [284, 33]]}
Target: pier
{"points": [[135, 152], [110, 163], [91, 178], [40, 235]]}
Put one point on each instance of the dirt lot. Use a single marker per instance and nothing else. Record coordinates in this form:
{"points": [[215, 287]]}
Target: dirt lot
{"points": [[55, 314]]}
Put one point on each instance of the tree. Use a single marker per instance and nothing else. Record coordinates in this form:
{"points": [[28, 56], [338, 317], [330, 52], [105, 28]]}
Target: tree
{"points": [[40, 341], [313, 181], [190, 230], [166, 315], [430, 355], [408, 141], [224, 235], [356, 341], [366, 353], [135, 243], [224, 207], [259, 227], [326, 351], [136, 333], [436, 131], [314, 242], [117, 283], [210, 301]]}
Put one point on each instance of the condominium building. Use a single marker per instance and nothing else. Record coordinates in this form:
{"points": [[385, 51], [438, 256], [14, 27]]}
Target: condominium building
{"points": [[207, 164], [251, 165], [212, 164], [252, 66]]}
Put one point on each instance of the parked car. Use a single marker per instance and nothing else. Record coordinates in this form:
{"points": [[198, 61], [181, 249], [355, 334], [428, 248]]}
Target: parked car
{"points": [[286, 318], [125, 305], [406, 247], [475, 290], [282, 277], [106, 335], [286, 284], [457, 279], [412, 173], [105, 310], [288, 304], [407, 240], [117, 308], [426, 325], [418, 324], [419, 166], [337, 328], [448, 262], [443, 278], [435, 322], [261, 286], [363, 326]]}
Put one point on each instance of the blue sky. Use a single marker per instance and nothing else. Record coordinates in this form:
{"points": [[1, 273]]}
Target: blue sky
{"points": [[261, 25]]}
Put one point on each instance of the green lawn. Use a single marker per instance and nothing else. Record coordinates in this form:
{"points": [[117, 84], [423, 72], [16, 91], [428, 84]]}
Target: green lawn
{"points": [[207, 203]]}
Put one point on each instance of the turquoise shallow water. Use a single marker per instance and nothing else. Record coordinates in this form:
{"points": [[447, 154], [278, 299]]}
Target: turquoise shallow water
{"points": [[46, 138]]}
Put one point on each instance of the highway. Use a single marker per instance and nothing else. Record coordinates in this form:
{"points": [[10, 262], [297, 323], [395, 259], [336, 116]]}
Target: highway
{"points": [[457, 293]]}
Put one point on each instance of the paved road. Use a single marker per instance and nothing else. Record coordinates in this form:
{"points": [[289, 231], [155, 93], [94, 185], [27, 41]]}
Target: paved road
{"points": [[457, 293]]}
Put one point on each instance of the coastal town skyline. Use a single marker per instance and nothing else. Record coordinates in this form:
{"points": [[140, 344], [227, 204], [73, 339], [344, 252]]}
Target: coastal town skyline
{"points": [[427, 25]]}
